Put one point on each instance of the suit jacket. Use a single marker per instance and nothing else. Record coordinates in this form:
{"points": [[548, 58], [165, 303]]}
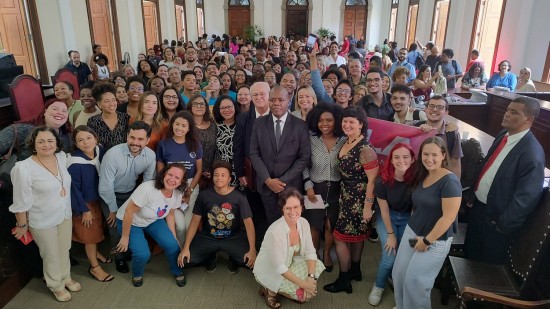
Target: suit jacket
{"points": [[288, 161], [241, 139], [517, 186]]}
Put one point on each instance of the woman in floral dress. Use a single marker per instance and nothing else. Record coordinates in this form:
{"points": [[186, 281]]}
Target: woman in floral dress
{"points": [[358, 165]]}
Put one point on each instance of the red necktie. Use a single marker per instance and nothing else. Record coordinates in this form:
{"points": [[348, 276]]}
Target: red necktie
{"points": [[492, 159]]}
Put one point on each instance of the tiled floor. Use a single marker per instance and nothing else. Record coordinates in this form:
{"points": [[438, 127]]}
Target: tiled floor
{"points": [[217, 290]]}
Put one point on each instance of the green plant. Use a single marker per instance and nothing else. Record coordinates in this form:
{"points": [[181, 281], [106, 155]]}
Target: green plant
{"points": [[253, 32], [324, 32]]}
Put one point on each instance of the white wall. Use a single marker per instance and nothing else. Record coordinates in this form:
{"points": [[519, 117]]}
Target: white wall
{"points": [[63, 30], [215, 17], [168, 20], [130, 26], [536, 38], [191, 20]]}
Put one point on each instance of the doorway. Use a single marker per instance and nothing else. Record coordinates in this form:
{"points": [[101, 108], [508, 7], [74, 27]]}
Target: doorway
{"points": [[411, 23], [103, 30], [439, 25], [151, 23], [238, 17], [181, 29], [355, 18], [15, 37], [297, 17], [489, 14]]}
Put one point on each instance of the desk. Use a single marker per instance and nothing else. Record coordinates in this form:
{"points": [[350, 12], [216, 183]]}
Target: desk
{"points": [[474, 113]]}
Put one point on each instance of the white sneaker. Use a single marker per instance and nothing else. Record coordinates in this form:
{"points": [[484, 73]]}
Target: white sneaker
{"points": [[375, 295]]}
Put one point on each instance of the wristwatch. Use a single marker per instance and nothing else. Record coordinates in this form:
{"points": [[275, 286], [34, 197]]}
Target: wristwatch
{"points": [[312, 276], [426, 241]]}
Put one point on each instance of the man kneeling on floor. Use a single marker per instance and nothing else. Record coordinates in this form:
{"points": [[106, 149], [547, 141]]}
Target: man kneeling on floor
{"points": [[222, 208]]}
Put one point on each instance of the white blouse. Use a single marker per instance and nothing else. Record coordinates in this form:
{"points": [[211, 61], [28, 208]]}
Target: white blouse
{"points": [[37, 191], [271, 261]]}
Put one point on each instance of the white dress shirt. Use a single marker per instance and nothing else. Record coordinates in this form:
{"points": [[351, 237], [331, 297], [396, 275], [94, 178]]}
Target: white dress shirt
{"points": [[487, 179]]}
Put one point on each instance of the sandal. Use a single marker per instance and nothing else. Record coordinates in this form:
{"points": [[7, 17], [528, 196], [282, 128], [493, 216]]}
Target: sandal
{"points": [[181, 280], [107, 260], [270, 300], [137, 281], [73, 286], [65, 297], [108, 278]]}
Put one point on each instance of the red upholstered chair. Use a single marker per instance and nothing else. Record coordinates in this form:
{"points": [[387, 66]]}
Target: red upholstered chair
{"points": [[68, 76], [26, 97]]}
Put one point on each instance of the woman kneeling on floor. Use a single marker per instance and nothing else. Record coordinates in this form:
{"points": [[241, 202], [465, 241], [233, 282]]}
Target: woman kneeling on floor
{"points": [[287, 263], [143, 212]]}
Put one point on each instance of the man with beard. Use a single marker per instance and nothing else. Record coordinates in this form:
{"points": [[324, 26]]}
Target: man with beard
{"points": [[288, 82], [81, 69], [402, 62], [291, 59], [376, 103], [121, 167], [190, 59]]}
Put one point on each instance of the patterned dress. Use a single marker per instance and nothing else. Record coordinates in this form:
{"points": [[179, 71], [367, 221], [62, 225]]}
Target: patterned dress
{"points": [[224, 142], [208, 141], [349, 226]]}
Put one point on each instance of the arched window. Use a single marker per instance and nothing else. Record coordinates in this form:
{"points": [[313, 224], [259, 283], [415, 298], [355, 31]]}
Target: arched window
{"points": [[356, 2], [239, 2], [355, 16], [393, 20], [200, 17], [297, 2]]}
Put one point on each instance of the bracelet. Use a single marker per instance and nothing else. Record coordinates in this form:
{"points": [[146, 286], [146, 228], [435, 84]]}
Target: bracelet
{"points": [[426, 241], [268, 182], [390, 233], [369, 200], [24, 225]]}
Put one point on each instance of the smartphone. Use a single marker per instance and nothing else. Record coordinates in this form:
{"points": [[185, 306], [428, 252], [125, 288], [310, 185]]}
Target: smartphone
{"points": [[221, 53], [29, 238], [412, 242], [311, 40]]}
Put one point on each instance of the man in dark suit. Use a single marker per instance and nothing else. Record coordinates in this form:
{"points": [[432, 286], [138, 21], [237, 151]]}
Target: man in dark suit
{"points": [[280, 151], [508, 187], [241, 154]]}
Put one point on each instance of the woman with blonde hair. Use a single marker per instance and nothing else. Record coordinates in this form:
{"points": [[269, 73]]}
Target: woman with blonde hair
{"points": [[305, 101], [525, 83], [360, 92]]}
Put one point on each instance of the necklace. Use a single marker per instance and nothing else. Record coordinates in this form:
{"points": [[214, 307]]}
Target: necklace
{"points": [[62, 193], [354, 140]]}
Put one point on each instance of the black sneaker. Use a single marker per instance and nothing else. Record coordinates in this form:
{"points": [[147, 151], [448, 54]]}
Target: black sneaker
{"points": [[373, 237], [232, 266], [211, 265]]}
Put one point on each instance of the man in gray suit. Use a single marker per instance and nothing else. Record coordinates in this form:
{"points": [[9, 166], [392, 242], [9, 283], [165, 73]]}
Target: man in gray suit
{"points": [[280, 150]]}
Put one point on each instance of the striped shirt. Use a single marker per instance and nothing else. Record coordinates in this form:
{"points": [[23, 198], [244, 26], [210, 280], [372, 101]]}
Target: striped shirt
{"points": [[324, 165]]}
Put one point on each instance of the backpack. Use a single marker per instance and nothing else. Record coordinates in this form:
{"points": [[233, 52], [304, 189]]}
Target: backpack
{"points": [[419, 61]]}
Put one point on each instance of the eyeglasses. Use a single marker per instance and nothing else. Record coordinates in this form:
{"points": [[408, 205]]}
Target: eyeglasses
{"points": [[199, 104], [172, 97], [343, 91], [438, 107], [140, 89], [226, 108], [373, 80]]}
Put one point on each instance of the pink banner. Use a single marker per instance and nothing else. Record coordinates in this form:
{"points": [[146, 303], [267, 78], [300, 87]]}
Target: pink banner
{"points": [[383, 135]]}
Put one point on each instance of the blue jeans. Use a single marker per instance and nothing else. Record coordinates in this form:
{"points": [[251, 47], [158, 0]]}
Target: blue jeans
{"points": [[137, 244], [398, 222], [414, 272]]}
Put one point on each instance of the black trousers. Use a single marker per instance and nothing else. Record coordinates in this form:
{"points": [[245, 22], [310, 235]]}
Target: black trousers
{"points": [[483, 242], [203, 247]]}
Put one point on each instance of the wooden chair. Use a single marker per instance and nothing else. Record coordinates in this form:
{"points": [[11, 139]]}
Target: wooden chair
{"points": [[26, 97], [69, 76], [521, 283]]}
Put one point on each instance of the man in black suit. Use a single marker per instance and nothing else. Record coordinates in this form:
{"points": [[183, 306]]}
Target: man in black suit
{"points": [[241, 153], [280, 151], [508, 187]]}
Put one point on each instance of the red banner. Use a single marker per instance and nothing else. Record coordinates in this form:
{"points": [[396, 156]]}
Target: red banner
{"points": [[383, 135]]}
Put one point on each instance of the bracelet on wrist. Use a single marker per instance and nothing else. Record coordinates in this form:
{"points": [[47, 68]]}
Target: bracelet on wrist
{"points": [[369, 200], [390, 233], [24, 225], [426, 241]]}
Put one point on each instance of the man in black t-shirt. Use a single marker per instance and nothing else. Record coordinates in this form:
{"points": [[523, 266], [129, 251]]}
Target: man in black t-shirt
{"points": [[222, 210]]}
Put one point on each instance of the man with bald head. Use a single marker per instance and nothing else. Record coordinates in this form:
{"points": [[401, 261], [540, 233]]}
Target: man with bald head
{"points": [[239, 64], [279, 150]]}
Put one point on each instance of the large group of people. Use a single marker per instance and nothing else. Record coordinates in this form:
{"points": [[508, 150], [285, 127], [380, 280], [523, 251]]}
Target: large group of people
{"points": [[219, 145]]}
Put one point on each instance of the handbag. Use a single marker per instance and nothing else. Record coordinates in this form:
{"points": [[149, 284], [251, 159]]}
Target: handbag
{"points": [[8, 162]]}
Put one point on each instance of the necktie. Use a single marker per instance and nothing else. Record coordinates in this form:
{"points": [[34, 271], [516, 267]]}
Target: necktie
{"points": [[492, 159], [277, 132]]}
